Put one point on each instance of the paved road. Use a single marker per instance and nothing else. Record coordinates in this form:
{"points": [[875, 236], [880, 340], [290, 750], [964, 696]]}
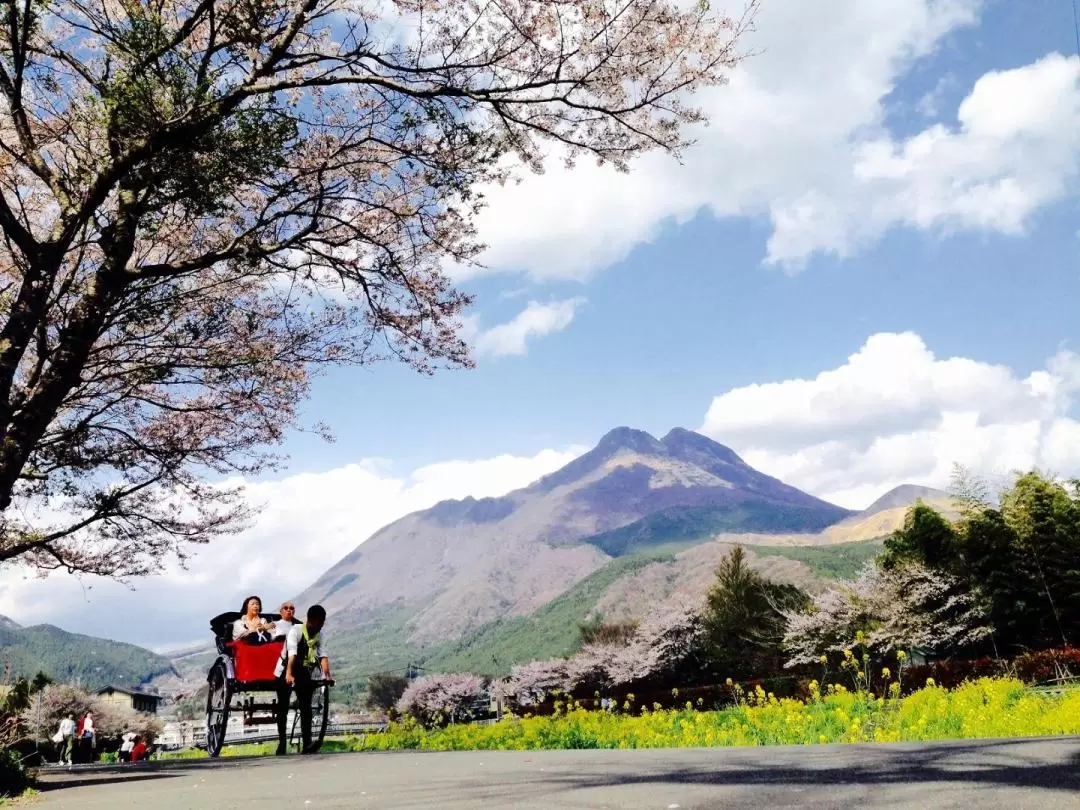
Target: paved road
{"points": [[1039, 774]]}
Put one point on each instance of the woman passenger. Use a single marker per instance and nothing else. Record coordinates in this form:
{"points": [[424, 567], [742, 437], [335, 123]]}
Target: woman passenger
{"points": [[250, 627]]}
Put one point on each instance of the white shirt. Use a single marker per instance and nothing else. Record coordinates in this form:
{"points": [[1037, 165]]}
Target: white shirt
{"points": [[240, 627], [282, 627], [67, 727], [88, 725], [292, 647]]}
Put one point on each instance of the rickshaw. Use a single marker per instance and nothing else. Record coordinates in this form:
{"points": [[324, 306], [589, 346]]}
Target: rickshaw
{"points": [[245, 670]]}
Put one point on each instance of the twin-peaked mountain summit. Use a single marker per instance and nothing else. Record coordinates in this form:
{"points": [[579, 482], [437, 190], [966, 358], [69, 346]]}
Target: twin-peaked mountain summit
{"points": [[456, 569]]}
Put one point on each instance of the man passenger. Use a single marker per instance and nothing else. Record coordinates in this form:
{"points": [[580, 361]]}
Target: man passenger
{"points": [[287, 621]]}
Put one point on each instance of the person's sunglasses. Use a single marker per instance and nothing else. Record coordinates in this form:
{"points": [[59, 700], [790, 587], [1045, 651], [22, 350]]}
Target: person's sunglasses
{"points": [[288, 607]]}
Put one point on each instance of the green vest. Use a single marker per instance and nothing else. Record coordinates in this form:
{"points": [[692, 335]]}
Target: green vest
{"points": [[311, 643]]}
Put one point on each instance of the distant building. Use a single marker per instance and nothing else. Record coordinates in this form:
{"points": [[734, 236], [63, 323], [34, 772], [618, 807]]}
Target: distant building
{"points": [[132, 698]]}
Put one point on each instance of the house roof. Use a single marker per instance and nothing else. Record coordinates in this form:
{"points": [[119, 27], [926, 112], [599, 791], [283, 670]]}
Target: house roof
{"points": [[133, 691]]}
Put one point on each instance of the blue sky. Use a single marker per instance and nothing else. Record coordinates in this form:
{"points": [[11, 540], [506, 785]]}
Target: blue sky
{"points": [[866, 270], [694, 312]]}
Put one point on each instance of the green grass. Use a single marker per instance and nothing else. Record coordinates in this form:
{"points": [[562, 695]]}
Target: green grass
{"points": [[987, 708], [331, 745], [835, 562]]}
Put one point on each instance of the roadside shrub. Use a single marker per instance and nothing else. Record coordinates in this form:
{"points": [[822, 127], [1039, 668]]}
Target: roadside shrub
{"points": [[384, 690], [984, 708], [13, 777], [1046, 665]]}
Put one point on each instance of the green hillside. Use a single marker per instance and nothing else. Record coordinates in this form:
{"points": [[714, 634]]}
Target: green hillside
{"points": [[376, 641], [550, 632], [70, 657], [838, 561], [683, 524]]}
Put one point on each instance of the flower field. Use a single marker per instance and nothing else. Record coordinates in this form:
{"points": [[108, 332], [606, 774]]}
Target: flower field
{"points": [[985, 708]]}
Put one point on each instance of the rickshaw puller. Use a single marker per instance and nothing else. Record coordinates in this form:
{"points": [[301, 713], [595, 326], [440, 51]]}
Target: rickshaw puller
{"points": [[303, 643]]}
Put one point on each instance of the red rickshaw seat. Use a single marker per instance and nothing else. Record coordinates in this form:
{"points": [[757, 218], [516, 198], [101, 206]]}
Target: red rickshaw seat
{"points": [[255, 662]]}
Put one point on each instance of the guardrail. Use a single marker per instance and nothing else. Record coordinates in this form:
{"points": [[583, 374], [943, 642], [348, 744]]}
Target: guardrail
{"points": [[332, 730]]}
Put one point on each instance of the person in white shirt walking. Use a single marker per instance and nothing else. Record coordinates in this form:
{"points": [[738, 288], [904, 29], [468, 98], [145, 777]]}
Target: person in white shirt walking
{"points": [[66, 733], [301, 658]]}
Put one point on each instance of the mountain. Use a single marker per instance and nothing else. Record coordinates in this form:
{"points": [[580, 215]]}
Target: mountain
{"points": [[435, 576], [677, 571], [886, 514], [905, 495], [75, 658]]}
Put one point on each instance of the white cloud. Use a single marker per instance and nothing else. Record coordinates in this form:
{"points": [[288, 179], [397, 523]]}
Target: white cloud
{"points": [[798, 136], [894, 413], [536, 320], [1015, 151], [308, 522]]}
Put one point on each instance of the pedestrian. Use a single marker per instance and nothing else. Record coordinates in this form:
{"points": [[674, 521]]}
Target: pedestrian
{"points": [[126, 746], [138, 752], [88, 736], [66, 733]]}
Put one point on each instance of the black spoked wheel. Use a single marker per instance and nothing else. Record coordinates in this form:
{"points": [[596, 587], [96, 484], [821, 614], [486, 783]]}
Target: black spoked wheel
{"points": [[217, 709], [320, 716]]}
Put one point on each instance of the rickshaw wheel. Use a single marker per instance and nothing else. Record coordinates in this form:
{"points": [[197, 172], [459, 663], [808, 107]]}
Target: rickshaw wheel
{"points": [[320, 716], [217, 709]]}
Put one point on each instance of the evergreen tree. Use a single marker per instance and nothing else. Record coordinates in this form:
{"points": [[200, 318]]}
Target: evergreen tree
{"points": [[745, 617], [927, 538]]}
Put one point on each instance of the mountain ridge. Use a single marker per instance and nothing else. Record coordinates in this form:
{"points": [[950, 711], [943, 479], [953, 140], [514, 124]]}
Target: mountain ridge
{"points": [[465, 562], [75, 657]]}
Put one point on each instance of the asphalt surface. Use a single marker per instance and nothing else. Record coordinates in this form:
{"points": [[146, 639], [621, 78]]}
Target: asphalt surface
{"points": [[1042, 774]]}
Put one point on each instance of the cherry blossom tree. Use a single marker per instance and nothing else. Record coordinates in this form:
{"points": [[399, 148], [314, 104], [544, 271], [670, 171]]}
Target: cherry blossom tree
{"points": [[910, 606], [442, 697], [205, 202], [669, 642], [530, 685]]}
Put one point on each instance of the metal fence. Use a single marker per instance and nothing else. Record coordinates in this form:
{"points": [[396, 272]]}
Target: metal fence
{"points": [[332, 730]]}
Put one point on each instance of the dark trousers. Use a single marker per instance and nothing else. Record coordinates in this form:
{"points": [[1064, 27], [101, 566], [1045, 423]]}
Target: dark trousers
{"points": [[283, 693], [305, 688]]}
